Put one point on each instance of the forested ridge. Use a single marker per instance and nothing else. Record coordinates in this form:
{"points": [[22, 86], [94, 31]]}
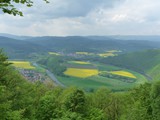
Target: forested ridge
{"points": [[22, 100], [24, 47]]}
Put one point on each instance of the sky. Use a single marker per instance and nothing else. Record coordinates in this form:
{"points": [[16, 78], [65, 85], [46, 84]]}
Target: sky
{"points": [[85, 17]]}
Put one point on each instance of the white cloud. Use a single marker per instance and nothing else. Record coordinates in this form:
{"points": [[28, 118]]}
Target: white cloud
{"points": [[81, 17]]}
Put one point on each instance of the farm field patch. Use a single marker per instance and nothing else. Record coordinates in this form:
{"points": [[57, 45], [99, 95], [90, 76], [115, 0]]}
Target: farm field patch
{"points": [[123, 73], [81, 73], [53, 53], [82, 53], [22, 64], [80, 62], [109, 53], [106, 54]]}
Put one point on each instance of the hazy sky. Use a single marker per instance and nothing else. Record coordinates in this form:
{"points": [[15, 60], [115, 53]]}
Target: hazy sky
{"points": [[85, 17]]}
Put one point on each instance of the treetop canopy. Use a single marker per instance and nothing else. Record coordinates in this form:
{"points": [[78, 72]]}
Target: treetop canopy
{"points": [[8, 6]]}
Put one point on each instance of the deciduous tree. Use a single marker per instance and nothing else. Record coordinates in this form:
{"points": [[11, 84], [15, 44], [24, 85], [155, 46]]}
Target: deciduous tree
{"points": [[8, 6]]}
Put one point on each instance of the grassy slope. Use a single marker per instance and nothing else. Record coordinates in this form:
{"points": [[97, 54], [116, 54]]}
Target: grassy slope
{"points": [[155, 72], [145, 62]]}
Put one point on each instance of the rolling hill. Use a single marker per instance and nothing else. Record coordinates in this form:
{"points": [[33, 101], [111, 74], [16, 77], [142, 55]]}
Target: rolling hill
{"points": [[23, 46], [19, 49], [92, 44], [145, 62]]}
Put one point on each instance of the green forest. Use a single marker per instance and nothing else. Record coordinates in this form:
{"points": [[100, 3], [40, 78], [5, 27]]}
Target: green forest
{"points": [[23, 100]]}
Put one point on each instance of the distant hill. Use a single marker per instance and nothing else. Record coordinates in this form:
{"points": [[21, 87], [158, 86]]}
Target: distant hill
{"points": [[15, 46], [19, 49], [14, 36], [92, 44], [128, 37], [108, 37], [137, 37]]}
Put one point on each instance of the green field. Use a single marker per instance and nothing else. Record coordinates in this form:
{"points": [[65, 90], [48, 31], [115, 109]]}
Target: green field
{"points": [[96, 81]]}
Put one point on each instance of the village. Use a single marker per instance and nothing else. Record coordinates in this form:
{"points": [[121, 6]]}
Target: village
{"points": [[32, 75]]}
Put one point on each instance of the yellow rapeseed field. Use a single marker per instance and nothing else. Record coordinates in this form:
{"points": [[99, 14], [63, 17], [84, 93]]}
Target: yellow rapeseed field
{"points": [[123, 73], [106, 54], [82, 53], [22, 64], [81, 73], [109, 53], [53, 53], [81, 62]]}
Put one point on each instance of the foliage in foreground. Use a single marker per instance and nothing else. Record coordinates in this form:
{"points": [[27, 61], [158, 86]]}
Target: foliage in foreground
{"points": [[21, 100], [9, 6]]}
